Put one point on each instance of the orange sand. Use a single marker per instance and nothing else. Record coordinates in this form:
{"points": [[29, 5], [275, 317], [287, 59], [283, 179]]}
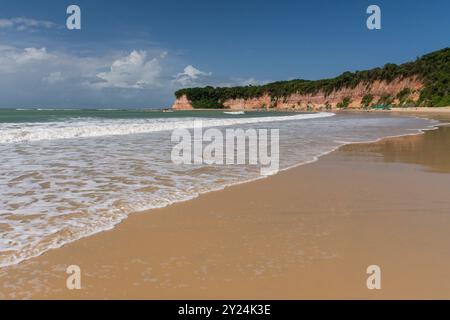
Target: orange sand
{"points": [[309, 232]]}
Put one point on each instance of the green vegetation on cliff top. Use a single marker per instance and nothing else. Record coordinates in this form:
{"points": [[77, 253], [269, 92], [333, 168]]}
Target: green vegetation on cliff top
{"points": [[432, 69]]}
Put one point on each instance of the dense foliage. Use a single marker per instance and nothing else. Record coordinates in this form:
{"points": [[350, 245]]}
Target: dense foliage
{"points": [[344, 103], [367, 100], [433, 69]]}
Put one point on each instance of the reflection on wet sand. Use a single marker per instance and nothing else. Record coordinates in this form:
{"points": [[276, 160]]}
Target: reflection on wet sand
{"points": [[309, 232], [430, 150]]}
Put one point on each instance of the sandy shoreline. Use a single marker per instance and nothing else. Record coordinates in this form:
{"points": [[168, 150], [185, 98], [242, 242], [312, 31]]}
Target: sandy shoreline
{"points": [[432, 111], [421, 110], [309, 232]]}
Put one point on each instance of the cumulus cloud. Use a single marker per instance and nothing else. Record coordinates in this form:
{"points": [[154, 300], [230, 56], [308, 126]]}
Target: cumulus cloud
{"points": [[13, 60], [190, 76], [25, 24], [135, 71], [32, 54], [40, 77], [39, 63], [140, 78]]}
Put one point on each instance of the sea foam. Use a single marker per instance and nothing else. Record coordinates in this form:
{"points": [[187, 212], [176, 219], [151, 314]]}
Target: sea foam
{"points": [[54, 191], [29, 132]]}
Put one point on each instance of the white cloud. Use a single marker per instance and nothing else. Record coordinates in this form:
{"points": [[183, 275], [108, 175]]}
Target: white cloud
{"points": [[32, 54], [5, 23], [190, 76], [54, 77], [23, 24], [38, 76], [14, 60], [134, 71]]}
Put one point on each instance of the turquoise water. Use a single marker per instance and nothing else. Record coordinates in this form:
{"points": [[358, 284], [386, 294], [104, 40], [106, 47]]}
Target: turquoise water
{"points": [[51, 115]]}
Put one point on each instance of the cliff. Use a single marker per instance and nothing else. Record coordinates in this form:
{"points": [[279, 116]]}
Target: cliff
{"points": [[321, 100], [424, 82], [182, 103]]}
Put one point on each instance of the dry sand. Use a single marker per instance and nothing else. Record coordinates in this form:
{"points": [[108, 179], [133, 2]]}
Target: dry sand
{"points": [[309, 232], [440, 110]]}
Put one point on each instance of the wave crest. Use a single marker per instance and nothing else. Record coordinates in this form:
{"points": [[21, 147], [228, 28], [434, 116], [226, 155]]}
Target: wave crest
{"points": [[29, 132]]}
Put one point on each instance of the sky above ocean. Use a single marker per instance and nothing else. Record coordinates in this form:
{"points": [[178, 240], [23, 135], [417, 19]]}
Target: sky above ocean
{"points": [[136, 53]]}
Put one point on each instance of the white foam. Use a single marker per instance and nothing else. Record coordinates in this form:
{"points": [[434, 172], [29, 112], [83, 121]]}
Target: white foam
{"points": [[55, 193], [30, 132]]}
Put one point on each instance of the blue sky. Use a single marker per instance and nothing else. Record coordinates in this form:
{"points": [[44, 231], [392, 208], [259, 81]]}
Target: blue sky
{"points": [[136, 53]]}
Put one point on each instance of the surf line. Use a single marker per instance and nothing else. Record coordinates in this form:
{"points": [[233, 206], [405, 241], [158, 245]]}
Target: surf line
{"points": [[190, 150]]}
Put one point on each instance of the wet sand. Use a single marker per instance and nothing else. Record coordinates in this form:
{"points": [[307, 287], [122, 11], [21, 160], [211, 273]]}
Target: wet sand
{"points": [[306, 233]]}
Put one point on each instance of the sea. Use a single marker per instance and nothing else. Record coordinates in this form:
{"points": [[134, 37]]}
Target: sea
{"points": [[68, 174]]}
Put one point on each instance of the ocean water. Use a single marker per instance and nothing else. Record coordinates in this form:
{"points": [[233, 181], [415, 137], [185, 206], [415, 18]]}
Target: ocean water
{"points": [[68, 174]]}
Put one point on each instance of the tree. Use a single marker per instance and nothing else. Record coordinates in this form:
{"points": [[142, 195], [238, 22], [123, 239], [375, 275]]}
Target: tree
{"points": [[344, 103], [433, 70], [367, 100]]}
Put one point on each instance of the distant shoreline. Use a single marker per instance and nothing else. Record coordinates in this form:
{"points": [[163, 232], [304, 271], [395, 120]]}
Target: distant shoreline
{"points": [[434, 110]]}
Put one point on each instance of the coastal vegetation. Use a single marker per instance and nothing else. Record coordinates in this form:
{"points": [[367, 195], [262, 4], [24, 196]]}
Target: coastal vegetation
{"points": [[432, 69], [367, 100], [344, 103]]}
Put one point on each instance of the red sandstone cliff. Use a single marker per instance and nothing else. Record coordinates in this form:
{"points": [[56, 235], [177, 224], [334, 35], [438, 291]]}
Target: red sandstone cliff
{"points": [[319, 100], [182, 103]]}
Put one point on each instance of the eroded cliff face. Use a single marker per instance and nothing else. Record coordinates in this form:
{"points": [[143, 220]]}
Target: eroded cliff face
{"points": [[320, 101], [182, 103]]}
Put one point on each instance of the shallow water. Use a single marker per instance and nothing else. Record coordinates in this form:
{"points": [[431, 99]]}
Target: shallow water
{"points": [[69, 174]]}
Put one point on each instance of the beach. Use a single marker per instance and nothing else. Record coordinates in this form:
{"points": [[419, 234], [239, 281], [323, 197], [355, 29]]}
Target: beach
{"points": [[309, 232], [436, 111]]}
